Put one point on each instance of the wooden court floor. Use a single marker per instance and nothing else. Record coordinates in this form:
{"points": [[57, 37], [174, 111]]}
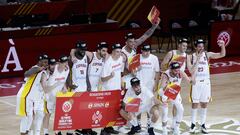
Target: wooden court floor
{"points": [[223, 116]]}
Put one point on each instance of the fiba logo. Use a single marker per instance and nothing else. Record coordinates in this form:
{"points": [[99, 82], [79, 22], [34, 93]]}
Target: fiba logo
{"points": [[67, 106], [225, 36], [97, 117]]}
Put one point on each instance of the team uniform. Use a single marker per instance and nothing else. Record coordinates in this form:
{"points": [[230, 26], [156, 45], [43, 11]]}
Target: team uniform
{"points": [[30, 99], [55, 77], [115, 66], [148, 68], [177, 102], [79, 74], [181, 59], [129, 57], [201, 91], [95, 70]]}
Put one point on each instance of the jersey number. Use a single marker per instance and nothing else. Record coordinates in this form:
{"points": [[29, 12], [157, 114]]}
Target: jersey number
{"points": [[200, 69], [82, 71]]}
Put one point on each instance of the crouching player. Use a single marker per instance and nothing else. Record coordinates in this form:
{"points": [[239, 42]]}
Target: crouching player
{"points": [[148, 104]]}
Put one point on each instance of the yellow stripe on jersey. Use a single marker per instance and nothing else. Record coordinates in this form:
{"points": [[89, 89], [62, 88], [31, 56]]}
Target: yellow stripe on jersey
{"points": [[26, 90], [67, 94], [45, 107]]}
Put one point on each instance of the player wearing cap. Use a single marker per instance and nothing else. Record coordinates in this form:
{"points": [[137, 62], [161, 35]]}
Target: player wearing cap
{"points": [[96, 66], [79, 63], [112, 70], [131, 44], [112, 77], [201, 91], [172, 76], [179, 56], [56, 82], [30, 98], [147, 104]]}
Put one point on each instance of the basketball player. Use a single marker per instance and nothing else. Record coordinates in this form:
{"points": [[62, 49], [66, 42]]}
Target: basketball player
{"points": [[30, 98], [111, 77], [112, 70], [130, 47], [147, 104], [55, 83], [179, 56], [96, 65], [79, 63], [172, 76], [80, 59], [201, 91]]}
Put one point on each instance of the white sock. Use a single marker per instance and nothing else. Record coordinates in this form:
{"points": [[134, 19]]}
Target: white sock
{"points": [[149, 122], [203, 115], [174, 121], [139, 121], [134, 122], [45, 131], [194, 115]]}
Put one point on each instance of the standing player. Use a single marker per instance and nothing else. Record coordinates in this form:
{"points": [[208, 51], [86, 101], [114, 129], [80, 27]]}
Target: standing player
{"points": [[179, 56], [147, 104], [201, 91], [55, 83], [80, 59], [111, 77], [79, 63], [30, 98], [112, 70], [172, 76], [96, 65]]}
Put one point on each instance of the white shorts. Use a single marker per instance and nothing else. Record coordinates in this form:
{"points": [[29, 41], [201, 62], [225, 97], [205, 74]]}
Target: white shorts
{"points": [[178, 100], [50, 103], [201, 91]]}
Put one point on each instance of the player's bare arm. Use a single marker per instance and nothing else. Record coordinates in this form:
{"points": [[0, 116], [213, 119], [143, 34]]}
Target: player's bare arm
{"points": [[44, 82], [104, 79], [165, 61], [185, 76], [147, 34], [157, 77], [32, 71], [213, 55], [192, 67]]}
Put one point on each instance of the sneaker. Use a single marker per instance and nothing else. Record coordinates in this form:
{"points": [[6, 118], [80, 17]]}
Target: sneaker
{"points": [[193, 129], [104, 132], [164, 131], [176, 131], [77, 132], [132, 131], [69, 133], [58, 133], [111, 130], [204, 129], [150, 131], [138, 128]]}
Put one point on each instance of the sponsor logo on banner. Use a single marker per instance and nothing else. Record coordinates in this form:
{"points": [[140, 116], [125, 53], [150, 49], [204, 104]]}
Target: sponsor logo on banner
{"points": [[67, 106], [97, 117], [225, 36]]}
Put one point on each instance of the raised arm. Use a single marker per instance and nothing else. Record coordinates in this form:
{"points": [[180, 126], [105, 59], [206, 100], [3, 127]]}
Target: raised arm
{"points": [[221, 54], [32, 71], [147, 34], [166, 60]]}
